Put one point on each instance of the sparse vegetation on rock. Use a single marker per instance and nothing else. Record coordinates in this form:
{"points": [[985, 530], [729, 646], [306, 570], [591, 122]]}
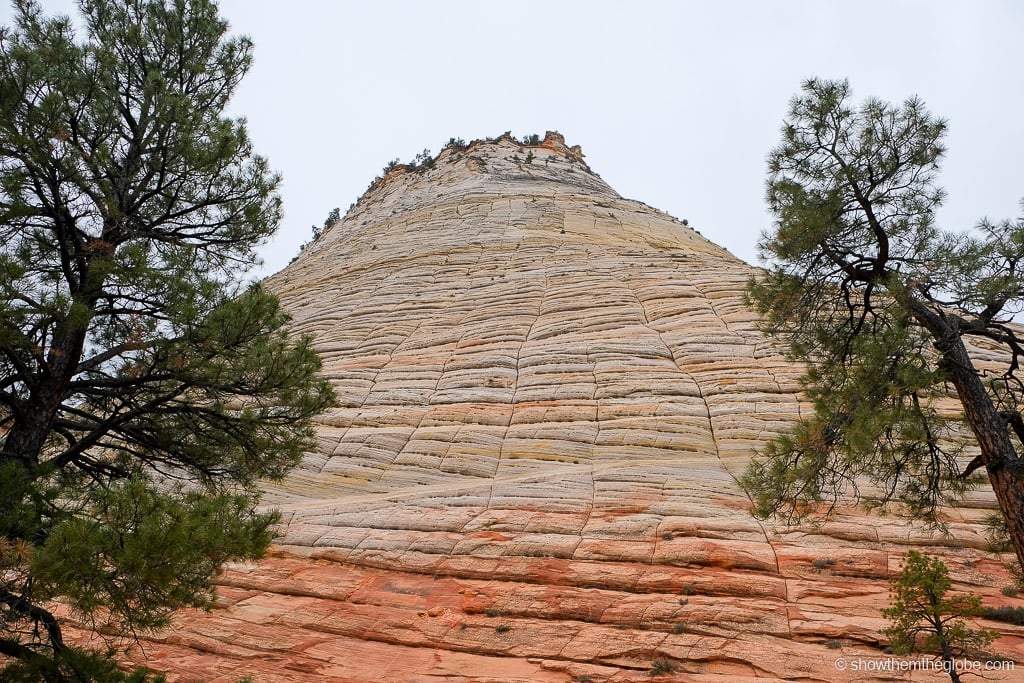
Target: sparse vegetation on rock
{"points": [[1005, 613], [663, 666], [333, 217], [422, 161], [458, 144]]}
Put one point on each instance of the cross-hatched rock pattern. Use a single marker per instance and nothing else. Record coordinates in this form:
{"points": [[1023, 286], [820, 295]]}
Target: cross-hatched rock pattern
{"points": [[546, 395]]}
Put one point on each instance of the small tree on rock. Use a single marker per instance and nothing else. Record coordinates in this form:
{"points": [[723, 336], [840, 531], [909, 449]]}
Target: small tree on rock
{"points": [[925, 619]]}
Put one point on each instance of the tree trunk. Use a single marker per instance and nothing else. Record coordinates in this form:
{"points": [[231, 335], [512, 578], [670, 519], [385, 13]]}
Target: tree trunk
{"points": [[998, 453], [950, 663], [945, 650], [33, 425]]}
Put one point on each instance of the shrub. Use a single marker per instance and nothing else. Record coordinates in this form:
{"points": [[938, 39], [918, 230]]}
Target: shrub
{"points": [[1007, 614], [662, 666]]}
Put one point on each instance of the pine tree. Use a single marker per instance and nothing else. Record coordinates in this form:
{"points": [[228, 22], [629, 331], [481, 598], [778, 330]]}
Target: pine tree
{"points": [[925, 619], [144, 389], [880, 303]]}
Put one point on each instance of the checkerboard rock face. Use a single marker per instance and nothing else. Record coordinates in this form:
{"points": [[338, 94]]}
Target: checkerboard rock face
{"points": [[546, 395]]}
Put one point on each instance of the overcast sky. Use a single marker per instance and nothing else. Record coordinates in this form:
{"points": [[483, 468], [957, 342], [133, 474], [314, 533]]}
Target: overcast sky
{"points": [[675, 104]]}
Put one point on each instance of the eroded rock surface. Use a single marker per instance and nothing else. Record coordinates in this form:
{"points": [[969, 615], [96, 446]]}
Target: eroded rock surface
{"points": [[546, 392]]}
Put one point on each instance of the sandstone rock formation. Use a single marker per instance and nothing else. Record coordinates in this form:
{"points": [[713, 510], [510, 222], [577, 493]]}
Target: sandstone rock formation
{"points": [[546, 395]]}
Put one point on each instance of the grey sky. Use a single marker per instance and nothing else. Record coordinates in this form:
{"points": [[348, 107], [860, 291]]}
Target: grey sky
{"points": [[675, 104]]}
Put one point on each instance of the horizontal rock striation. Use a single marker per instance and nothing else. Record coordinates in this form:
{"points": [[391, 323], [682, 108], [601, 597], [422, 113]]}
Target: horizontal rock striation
{"points": [[547, 392]]}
